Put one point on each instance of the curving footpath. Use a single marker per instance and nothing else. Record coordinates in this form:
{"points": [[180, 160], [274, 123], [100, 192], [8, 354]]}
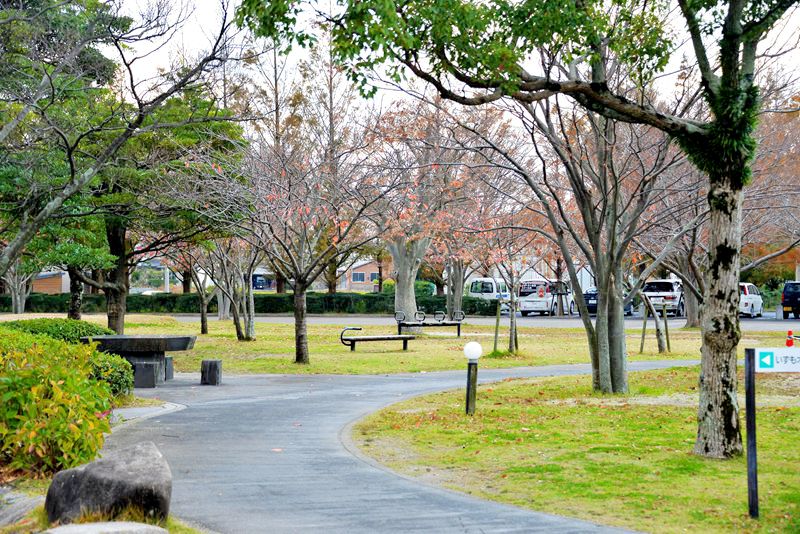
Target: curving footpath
{"points": [[264, 453]]}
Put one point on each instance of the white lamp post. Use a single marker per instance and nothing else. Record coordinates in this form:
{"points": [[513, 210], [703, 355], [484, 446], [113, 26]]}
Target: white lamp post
{"points": [[472, 351]]}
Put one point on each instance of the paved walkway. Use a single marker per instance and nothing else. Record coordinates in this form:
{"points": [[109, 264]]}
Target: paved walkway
{"points": [[268, 453]]}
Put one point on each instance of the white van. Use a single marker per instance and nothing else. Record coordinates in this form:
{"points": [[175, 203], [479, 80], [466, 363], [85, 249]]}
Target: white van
{"points": [[489, 289]]}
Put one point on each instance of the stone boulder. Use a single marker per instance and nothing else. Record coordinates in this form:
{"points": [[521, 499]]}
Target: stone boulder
{"points": [[136, 476]]}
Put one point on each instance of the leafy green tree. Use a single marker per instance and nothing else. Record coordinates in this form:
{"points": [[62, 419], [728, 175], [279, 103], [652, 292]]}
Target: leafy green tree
{"points": [[139, 219], [74, 243], [52, 60], [477, 53]]}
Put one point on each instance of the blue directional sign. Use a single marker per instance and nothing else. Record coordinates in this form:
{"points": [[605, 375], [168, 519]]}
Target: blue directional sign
{"points": [[778, 360]]}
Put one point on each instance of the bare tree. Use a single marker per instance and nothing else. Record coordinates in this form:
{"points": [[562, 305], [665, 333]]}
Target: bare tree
{"points": [[19, 281]]}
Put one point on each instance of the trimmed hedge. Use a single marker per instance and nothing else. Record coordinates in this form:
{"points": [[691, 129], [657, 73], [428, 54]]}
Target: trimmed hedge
{"points": [[54, 414], [372, 303], [68, 330], [110, 368]]}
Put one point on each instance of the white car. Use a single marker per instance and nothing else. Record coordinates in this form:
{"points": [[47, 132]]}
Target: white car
{"points": [[489, 289], [750, 301], [665, 293], [540, 296]]}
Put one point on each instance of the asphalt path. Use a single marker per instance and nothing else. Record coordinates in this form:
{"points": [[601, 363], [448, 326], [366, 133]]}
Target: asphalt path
{"points": [[758, 324], [271, 453]]}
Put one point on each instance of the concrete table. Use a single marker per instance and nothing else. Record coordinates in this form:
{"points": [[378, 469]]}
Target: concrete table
{"points": [[143, 352]]}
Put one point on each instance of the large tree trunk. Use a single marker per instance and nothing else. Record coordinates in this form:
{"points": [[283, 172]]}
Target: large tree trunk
{"points": [[718, 429], [75, 294], [617, 346], [223, 305], [280, 283], [19, 286], [205, 299], [300, 328], [236, 308], [97, 275], [117, 278], [455, 286], [407, 257], [116, 302], [690, 300], [602, 349], [331, 277], [692, 310], [380, 275], [249, 312], [204, 315], [17, 298], [186, 280], [439, 287]]}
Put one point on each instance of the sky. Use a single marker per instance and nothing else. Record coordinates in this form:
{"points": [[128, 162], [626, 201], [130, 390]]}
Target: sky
{"points": [[203, 16]]}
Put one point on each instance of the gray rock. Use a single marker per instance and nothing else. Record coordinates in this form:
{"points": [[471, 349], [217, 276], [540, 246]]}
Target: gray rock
{"points": [[121, 527], [136, 476]]}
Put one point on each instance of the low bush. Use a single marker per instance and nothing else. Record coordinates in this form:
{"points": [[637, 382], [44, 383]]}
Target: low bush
{"points": [[372, 303], [388, 287], [112, 369], [68, 330], [54, 413]]}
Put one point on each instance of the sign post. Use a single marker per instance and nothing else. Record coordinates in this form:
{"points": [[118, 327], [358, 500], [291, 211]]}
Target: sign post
{"points": [[750, 425], [771, 360]]}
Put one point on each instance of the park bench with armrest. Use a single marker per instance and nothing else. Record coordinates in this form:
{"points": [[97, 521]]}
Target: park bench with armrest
{"points": [[352, 340], [439, 320]]}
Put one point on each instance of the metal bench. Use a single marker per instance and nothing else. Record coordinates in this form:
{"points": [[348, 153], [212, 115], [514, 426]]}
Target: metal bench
{"points": [[352, 340], [439, 320]]}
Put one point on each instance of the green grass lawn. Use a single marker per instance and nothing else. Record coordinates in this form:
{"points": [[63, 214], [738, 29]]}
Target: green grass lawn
{"points": [[552, 445], [273, 351]]}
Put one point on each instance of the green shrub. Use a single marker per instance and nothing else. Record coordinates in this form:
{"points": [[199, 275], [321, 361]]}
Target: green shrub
{"points": [[53, 414], [423, 288], [110, 368], [113, 370], [372, 303], [388, 287], [68, 330]]}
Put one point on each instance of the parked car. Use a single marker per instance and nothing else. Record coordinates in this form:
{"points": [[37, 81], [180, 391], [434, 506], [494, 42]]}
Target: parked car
{"points": [[750, 301], [260, 282], [489, 289], [540, 296], [590, 297], [790, 299], [667, 293]]}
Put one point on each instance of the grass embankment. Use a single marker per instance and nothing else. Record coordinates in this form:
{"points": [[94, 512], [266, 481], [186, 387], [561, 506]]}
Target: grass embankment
{"points": [[437, 350], [552, 445]]}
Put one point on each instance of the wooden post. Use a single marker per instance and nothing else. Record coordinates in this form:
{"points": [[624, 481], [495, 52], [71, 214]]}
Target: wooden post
{"points": [[666, 326], [750, 426]]}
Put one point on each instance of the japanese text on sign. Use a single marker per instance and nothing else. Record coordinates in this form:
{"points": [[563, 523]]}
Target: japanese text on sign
{"points": [[778, 360]]}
